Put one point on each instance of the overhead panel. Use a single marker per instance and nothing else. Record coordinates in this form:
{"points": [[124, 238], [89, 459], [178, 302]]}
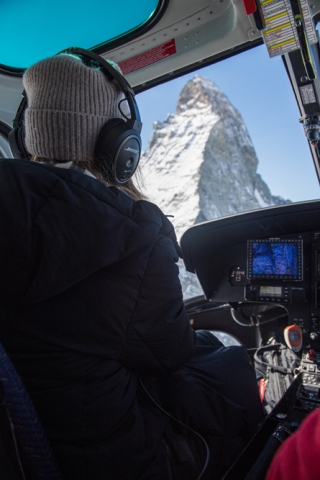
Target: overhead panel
{"points": [[206, 29]]}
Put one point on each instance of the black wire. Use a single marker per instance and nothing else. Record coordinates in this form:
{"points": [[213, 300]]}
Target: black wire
{"points": [[183, 425], [271, 365]]}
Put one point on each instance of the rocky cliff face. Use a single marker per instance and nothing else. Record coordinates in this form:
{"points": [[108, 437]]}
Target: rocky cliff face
{"points": [[201, 164]]}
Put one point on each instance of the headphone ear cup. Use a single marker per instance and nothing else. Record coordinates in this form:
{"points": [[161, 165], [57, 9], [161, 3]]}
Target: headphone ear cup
{"points": [[117, 150], [16, 142]]}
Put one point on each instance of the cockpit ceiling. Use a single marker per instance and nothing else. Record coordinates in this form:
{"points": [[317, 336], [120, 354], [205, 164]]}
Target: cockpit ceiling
{"points": [[204, 30], [191, 35], [150, 38]]}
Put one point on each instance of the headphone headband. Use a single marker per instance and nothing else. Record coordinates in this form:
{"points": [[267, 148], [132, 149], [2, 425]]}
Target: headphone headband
{"points": [[111, 73]]}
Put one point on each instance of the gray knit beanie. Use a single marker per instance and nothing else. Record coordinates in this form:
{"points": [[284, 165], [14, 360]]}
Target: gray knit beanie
{"points": [[68, 103]]}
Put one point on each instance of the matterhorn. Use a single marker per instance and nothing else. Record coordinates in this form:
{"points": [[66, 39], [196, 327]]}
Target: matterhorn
{"points": [[200, 163]]}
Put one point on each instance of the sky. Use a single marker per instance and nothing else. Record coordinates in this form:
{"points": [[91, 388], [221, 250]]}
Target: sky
{"points": [[260, 90]]}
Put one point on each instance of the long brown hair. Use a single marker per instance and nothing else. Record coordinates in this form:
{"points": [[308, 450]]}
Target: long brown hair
{"points": [[133, 188]]}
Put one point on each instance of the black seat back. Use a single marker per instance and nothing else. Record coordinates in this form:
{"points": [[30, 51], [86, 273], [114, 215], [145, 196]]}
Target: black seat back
{"points": [[25, 452]]}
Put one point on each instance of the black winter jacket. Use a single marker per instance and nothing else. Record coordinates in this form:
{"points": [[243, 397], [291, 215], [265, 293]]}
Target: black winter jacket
{"points": [[90, 300]]}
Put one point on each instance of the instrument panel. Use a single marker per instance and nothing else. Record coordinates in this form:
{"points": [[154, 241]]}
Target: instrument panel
{"points": [[271, 256]]}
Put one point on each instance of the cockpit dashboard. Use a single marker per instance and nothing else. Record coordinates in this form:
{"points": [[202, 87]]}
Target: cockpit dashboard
{"points": [[269, 257]]}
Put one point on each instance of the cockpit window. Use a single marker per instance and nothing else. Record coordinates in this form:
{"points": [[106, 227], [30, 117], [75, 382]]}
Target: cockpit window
{"points": [[31, 31], [223, 140]]}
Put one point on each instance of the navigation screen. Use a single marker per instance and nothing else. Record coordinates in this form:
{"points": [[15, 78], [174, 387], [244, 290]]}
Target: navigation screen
{"points": [[279, 259], [275, 259]]}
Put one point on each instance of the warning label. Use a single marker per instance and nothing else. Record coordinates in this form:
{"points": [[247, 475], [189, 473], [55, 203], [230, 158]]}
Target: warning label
{"points": [[307, 94], [149, 57], [280, 35]]}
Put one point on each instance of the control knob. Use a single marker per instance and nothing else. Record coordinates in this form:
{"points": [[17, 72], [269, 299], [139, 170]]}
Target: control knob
{"points": [[311, 355]]}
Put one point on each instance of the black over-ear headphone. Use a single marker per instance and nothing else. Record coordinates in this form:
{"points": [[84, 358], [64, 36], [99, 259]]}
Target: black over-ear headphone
{"points": [[118, 146]]}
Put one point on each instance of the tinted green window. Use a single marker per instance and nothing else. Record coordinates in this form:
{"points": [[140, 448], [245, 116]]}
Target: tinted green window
{"points": [[35, 29]]}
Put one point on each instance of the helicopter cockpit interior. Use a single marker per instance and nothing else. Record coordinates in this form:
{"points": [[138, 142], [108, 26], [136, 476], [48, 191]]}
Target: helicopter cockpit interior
{"points": [[264, 271], [259, 270]]}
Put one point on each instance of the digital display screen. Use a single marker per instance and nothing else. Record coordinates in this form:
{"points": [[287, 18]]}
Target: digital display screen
{"points": [[270, 291], [275, 259], [294, 336]]}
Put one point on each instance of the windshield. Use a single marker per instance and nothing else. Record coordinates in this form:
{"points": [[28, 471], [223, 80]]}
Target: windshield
{"points": [[223, 140], [34, 30]]}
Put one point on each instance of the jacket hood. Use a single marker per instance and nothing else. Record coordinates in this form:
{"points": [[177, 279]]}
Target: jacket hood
{"points": [[59, 226]]}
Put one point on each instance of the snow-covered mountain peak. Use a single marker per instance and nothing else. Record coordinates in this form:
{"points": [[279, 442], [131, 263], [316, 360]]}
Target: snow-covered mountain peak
{"points": [[201, 163], [200, 93]]}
